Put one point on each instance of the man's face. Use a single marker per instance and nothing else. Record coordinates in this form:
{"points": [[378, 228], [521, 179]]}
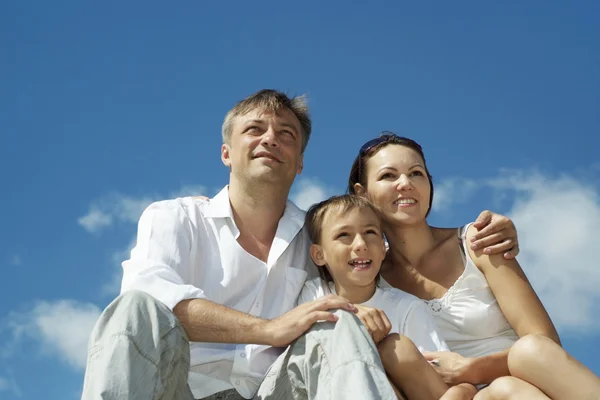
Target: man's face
{"points": [[265, 146]]}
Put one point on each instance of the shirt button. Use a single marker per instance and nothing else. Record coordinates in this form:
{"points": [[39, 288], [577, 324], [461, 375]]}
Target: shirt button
{"points": [[243, 354]]}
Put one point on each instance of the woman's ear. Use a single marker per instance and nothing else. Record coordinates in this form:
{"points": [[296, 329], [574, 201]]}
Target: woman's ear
{"points": [[316, 253], [360, 190]]}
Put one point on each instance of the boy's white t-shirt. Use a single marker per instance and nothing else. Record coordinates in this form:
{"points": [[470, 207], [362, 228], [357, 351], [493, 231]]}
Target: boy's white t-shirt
{"points": [[408, 315]]}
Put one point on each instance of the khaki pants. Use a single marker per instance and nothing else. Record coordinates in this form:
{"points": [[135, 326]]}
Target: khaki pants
{"points": [[139, 351]]}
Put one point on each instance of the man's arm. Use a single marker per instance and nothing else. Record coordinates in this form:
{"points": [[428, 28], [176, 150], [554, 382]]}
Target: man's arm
{"points": [[206, 321]]}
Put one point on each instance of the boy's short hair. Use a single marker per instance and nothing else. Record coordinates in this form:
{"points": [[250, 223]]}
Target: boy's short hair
{"points": [[341, 203], [271, 101]]}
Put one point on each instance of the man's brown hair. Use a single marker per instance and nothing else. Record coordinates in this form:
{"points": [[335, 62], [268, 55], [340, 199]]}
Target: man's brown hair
{"points": [[271, 101]]}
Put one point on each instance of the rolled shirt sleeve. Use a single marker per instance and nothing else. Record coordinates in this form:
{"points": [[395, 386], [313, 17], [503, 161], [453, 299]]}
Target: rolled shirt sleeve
{"points": [[162, 255], [421, 329]]}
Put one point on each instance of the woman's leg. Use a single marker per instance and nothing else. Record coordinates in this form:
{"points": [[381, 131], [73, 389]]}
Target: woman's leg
{"points": [[464, 391], [544, 364], [408, 369], [510, 388]]}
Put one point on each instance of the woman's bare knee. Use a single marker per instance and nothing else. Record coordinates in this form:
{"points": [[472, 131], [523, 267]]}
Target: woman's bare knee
{"points": [[533, 352]]}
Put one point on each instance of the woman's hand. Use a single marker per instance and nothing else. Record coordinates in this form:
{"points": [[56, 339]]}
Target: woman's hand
{"points": [[495, 234], [452, 367], [376, 322]]}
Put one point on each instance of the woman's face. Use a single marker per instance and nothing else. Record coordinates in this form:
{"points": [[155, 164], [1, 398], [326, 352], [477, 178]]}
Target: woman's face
{"points": [[397, 182]]}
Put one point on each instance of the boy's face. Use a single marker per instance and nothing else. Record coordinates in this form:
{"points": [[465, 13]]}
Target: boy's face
{"points": [[352, 247]]}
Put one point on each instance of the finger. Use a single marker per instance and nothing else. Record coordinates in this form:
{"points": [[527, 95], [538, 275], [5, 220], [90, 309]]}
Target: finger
{"points": [[387, 324], [319, 316], [430, 355], [329, 302], [483, 219], [499, 224], [379, 321], [500, 248], [489, 240], [512, 253]]}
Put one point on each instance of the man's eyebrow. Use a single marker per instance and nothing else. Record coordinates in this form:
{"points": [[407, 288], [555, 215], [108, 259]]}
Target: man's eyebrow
{"points": [[254, 121], [285, 124]]}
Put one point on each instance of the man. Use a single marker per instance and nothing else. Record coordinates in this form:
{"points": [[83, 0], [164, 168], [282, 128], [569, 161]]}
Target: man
{"points": [[224, 275]]}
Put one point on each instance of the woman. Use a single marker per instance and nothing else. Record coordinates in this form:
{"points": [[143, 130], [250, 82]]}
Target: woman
{"points": [[486, 310]]}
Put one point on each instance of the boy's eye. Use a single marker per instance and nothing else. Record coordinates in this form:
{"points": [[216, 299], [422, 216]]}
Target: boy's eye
{"points": [[341, 235], [372, 232]]}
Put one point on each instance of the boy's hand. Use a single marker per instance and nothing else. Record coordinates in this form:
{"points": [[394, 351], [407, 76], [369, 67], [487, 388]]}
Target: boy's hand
{"points": [[376, 322]]}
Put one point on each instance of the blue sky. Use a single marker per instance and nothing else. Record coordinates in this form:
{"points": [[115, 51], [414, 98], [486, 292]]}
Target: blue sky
{"points": [[106, 107]]}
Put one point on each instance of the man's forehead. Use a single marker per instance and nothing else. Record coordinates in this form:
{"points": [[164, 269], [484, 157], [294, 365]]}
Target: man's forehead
{"points": [[282, 114]]}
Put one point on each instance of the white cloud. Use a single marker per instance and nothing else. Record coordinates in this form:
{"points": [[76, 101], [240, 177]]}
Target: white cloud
{"points": [[307, 192], [558, 221], [8, 384], [16, 260], [452, 191], [62, 328], [122, 208], [95, 220]]}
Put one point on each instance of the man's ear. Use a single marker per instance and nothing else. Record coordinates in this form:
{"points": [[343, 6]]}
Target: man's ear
{"points": [[316, 253], [225, 157], [360, 190], [301, 166]]}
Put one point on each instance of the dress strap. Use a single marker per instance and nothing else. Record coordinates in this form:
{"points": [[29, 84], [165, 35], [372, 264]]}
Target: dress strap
{"points": [[462, 238]]}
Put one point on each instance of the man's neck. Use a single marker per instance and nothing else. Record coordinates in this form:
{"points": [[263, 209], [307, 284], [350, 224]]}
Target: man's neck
{"points": [[256, 213]]}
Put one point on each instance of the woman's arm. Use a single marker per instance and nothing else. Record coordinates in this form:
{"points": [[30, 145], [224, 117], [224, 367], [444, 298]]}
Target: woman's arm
{"points": [[517, 299], [519, 303]]}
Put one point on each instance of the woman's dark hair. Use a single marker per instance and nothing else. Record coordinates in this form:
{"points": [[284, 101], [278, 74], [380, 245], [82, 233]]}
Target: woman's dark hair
{"points": [[370, 148]]}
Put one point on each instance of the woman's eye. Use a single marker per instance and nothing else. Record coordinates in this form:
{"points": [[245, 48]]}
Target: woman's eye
{"points": [[387, 175], [417, 173]]}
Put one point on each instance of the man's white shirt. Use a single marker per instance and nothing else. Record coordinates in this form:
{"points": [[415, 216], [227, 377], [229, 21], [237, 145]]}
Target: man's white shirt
{"points": [[187, 248], [408, 314]]}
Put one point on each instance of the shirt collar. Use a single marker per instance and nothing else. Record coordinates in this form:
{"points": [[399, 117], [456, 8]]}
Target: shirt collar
{"points": [[220, 207]]}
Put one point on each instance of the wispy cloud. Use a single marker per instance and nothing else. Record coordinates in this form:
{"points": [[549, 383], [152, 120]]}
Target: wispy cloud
{"points": [[8, 384], [95, 220], [558, 220], [452, 191], [117, 207], [16, 260], [62, 328], [308, 191]]}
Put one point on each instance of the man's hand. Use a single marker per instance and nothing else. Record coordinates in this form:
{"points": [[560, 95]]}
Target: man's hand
{"points": [[496, 234], [285, 329], [376, 322]]}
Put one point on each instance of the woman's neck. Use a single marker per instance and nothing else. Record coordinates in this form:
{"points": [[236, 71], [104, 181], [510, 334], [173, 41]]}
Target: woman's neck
{"points": [[410, 243]]}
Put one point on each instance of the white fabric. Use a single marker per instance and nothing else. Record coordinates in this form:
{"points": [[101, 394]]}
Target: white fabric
{"points": [[407, 314], [468, 316], [187, 248]]}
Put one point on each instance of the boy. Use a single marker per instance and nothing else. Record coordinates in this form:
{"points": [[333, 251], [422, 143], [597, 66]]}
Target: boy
{"points": [[348, 248]]}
